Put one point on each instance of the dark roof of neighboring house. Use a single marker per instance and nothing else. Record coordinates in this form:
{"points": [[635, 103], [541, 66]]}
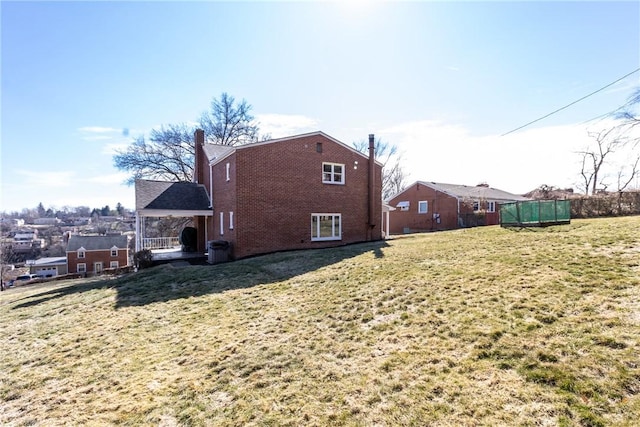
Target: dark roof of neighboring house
{"points": [[477, 192], [96, 243], [166, 195], [473, 192]]}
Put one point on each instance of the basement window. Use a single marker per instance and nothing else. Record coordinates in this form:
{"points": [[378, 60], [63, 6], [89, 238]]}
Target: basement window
{"points": [[326, 226]]}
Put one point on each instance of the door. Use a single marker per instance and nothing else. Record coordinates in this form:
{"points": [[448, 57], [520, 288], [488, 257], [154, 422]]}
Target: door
{"points": [[97, 267]]}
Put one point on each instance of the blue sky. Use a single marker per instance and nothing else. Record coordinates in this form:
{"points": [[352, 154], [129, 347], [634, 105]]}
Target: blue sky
{"points": [[441, 80]]}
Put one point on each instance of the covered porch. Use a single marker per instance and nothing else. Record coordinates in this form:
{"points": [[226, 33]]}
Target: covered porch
{"points": [[161, 199]]}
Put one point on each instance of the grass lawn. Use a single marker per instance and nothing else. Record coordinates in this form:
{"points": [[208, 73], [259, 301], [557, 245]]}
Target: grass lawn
{"points": [[483, 326]]}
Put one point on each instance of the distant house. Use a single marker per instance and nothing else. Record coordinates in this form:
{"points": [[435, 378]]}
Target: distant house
{"points": [[93, 254], [47, 221], [298, 192], [26, 241], [429, 206], [48, 266]]}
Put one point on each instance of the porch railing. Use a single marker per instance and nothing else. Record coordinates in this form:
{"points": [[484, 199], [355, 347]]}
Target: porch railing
{"points": [[160, 243]]}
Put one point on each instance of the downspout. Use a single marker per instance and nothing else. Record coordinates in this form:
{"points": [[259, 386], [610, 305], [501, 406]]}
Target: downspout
{"points": [[371, 184], [210, 185]]}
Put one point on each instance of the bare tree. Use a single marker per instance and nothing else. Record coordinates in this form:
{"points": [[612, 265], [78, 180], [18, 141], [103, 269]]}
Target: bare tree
{"points": [[626, 178], [228, 123], [593, 159], [168, 154], [393, 176]]}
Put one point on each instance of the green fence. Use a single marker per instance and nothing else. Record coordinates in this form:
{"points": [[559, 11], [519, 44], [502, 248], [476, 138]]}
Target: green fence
{"points": [[535, 213]]}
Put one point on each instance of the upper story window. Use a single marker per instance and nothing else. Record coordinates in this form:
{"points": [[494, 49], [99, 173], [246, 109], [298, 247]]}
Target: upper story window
{"points": [[81, 253], [332, 173], [491, 206], [228, 172], [114, 251], [423, 206]]}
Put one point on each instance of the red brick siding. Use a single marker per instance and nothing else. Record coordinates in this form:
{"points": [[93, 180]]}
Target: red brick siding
{"points": [[440, 203], [91, 257], [275, 188]]}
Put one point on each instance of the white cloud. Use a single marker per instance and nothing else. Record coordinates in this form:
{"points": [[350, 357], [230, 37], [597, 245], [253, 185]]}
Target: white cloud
{"points": [[281, 125], [45, 179], [98, 129], [519, 162], [114, 178], [97, 138], [113, 147]]}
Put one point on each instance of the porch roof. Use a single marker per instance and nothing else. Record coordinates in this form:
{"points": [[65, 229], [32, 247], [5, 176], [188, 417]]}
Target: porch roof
{"points": [[163, 198]]}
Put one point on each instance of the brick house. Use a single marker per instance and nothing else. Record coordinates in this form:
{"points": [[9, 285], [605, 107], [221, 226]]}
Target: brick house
{"points": [[93, 254], [298, 192], [430, 206]]}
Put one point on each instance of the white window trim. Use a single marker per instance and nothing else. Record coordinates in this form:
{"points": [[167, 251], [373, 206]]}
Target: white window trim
{"points": [[114, 251], [114, 264], [491, 206], [222, 223], [333, 173], [228, 172], [81, 252], [81, 267], [476, 206], [336, 234], [230, 220], [426, 204]]}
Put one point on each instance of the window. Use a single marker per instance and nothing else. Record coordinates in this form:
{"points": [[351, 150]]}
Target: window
{"points": [[404, 206], [423, 206], [332, 173], [318, 147], [80, 253], [476, 206], [114, 251], [221, 223], [113, 264], [326, 226], [230, 220], [228, 172], [491, 206], [82, 267]]}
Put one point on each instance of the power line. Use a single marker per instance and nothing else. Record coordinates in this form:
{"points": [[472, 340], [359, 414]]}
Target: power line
{"points": [[574, 102]]}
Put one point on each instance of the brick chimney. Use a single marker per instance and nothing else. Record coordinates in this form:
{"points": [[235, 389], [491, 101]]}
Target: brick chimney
{"points": [[200, 158]]}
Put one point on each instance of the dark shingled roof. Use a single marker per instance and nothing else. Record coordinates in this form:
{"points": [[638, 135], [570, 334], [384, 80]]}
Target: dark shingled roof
{"points": [[96, 243], [164, 195], [477, 192]]}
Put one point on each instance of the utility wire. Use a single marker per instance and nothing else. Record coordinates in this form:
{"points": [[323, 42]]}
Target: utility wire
{"points": [[574, 102]]}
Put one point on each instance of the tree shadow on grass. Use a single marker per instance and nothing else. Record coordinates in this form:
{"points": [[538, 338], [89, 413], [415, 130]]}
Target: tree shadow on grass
{"points": [[168, 282]]}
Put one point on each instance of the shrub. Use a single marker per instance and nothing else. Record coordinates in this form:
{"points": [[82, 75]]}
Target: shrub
{"points": [[142, 259]]}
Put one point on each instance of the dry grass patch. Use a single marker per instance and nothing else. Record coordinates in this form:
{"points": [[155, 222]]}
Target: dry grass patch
{"points": [[484, 326]]}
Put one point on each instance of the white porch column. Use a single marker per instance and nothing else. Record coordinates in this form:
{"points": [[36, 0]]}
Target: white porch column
{"points": [[138, 238]]}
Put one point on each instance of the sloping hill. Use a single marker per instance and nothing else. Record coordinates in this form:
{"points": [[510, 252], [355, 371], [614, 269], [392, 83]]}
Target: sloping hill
{"points": [[483, 326]]}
